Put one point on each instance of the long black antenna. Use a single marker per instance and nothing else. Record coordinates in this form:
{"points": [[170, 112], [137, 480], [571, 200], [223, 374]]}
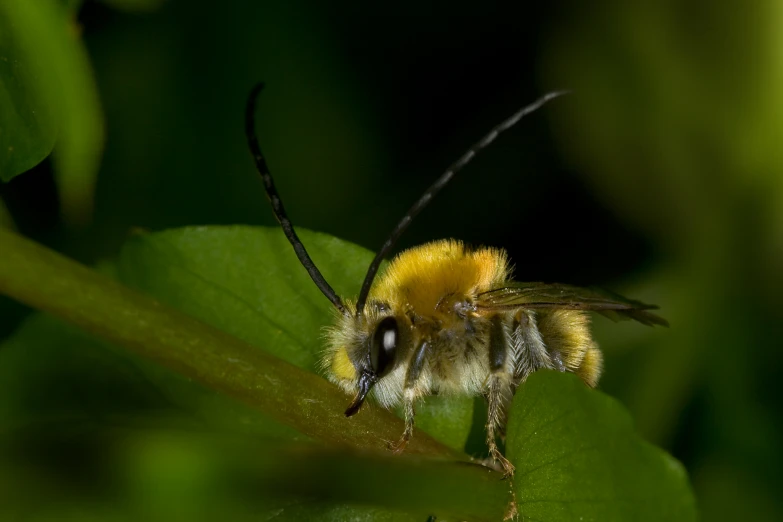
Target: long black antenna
{"points": [[277, 204], [438, 185]]}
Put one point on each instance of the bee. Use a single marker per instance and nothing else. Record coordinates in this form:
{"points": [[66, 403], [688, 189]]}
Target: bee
{"points": [[445, 318]]}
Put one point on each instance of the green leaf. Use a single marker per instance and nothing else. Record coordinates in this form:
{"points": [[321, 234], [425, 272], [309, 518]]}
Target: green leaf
{"points": [[6, 221], [247, 281], [448, 419], [28, 124], [45, 280], [47, 92], [577, 457]]}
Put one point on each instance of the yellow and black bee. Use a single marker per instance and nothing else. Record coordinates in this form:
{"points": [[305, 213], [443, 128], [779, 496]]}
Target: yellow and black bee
{"points": [[448, 319]]}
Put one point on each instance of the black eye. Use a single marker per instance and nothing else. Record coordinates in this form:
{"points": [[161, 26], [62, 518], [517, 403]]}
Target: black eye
{"points": [[384, 345]]}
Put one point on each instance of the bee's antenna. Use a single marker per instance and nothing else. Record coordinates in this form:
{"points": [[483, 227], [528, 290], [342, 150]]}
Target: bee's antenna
{"points": [[438, 185], [277, 204]]}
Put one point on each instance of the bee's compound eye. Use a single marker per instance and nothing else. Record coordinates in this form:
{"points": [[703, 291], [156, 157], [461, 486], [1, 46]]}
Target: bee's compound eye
{"points": [[384, 345]]}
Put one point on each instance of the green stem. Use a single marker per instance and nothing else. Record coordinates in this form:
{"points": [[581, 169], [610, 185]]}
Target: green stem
{"points": [[45, 280]]}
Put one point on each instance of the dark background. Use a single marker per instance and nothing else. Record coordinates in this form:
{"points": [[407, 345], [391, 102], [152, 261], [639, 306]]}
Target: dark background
{"points": [[659, 177]]}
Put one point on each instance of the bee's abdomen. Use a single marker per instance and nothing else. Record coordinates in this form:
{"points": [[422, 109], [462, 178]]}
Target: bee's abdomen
{"points": [[566, 334]]}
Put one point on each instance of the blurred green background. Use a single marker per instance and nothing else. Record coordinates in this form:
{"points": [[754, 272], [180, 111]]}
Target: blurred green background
{"points": [[660, 177]]}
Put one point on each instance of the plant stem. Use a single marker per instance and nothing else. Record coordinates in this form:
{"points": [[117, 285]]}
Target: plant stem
{"points": [[50, 282]]}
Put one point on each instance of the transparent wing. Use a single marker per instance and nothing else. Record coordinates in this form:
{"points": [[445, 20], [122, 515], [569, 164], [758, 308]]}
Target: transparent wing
{"points": [[552, 295]]}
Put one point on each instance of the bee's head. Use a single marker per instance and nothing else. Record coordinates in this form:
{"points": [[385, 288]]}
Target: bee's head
{"points": [[364, 351]]}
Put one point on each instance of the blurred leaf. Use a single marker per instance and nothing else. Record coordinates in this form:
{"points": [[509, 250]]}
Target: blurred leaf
{"points": [[6, 221], [28, 127], [295, 511], [577, 458], [728, 491], [135, 5], [679, 133], [450, 491], [49, 369], [72, 7], [165, 472], [49, 93]]}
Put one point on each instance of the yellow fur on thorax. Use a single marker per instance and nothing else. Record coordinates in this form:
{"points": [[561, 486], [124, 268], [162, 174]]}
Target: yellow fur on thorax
{"points": [[421, 276], [418, 278]]}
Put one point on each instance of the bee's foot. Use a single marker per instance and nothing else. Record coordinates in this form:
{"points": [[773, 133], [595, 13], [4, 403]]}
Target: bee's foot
{"points": [[500, 463], [508, 468], [399, 446]]}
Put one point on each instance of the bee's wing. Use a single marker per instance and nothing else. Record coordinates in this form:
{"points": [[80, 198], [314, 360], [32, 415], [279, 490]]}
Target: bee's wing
{"points": [[545, 295]]}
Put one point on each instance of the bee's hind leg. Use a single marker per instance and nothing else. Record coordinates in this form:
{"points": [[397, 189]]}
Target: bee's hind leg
{"points": [[500, 389]]}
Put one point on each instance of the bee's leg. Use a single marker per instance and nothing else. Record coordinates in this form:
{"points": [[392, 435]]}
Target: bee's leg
{"points": [[499, 396], [557, 360], [410, 414], [532, 353], [500, 388], [410, 393]]}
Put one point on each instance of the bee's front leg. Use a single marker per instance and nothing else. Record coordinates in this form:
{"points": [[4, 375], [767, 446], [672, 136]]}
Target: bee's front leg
{"points": [[410, 393], [410, 414]]}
